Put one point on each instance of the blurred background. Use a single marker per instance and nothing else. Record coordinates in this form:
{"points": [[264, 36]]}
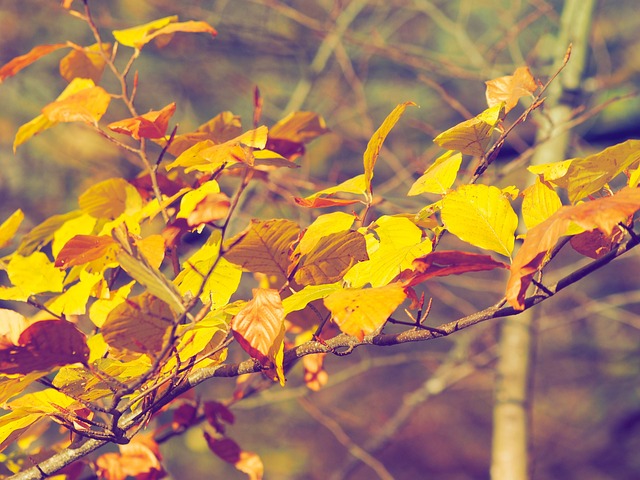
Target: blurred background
{"points": [[425, 408]]}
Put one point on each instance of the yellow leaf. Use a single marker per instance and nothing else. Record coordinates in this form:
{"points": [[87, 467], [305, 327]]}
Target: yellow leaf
{"points": [[78, 225], [201, 338], [110, 198], [153, 249], [46, 401], [9, 227], [41, 122], [552, 172], [375, 143], [10, 386], [299, 127], [101, 308], [139, 324], [356, 185], [170, 29], [481, 216], [472, 136], [539, 203], [134, 36], [361, 312], [85, 63], [511, 88], [31, 275], [219, 129], [220, 285], [14, 424], [310, 293], [190, 200], [74, 300], [88, 106], [321, 227], [439, 177], [42, 234]]}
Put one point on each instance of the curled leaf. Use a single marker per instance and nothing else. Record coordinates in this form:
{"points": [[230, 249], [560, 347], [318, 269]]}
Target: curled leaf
{"points": [[149, 125], [511, 88]]}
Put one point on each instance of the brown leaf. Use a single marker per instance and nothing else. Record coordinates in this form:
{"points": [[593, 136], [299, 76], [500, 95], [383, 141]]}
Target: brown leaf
{"points": [[259, 326], [449, 262], [18, 63], [603, 214], [41, 346], [225, 448], [215, 206], [511, 88], [139, 324], [595, 244], [184, 416], [216, 413], [150, 125], [83, 249]]}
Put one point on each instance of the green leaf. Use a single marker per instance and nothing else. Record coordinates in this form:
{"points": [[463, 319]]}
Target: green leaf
{"points": [[439, 177], [482, 216], [472, 136], [375, 143]]}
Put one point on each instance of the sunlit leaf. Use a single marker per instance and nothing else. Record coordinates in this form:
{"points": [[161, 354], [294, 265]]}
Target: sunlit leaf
{"points": [[264, 246], [88, 106], [603, 214], [439, 177], [9, 227], [310, 293], [101, 308], [110, 198], [149, 125], [356, 185], [170, 29], [361, 312], [331, 258], [221, 128], [134, 37], [539, 203], [140, 459], [375, 143], [481, 216], [288, 136], [18, 63], [259, 326], [75, 298], [472, 136], [85, 62], [10, 386], [31, 275], [78, 225], [220, 285], [41, 122], [321, 227], [43, 345], [14, 424], [511, 88], [139, 324]]}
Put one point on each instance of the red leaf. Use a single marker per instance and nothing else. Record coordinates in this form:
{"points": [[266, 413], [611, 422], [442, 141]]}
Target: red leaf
{"points": [[323, 202], [18, 63], [450, 262], [216, 411], [225, 448], [43, 345], [150, 125]]}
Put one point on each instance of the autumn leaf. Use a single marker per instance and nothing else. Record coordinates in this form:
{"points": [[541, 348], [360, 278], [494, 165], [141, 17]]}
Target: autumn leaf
{"points": [[149, 125], [83, 249], [264, 247], [439, 177], [140, 459], [375, 143], [288, 136], [139, 324], [595, 244], [31, 275], [355, 185], [331, 258], [361, 312], [171, 28], [9, 227], [603, 214], [472, 136], [85, 62], [449, 262], [18, 63], [88, 106], [40, 346], [259, 328], [221, 128], [135, 36], [511, 88], [539, 203], [481, 216], [217, 414], [110, 198], [300, 299]]}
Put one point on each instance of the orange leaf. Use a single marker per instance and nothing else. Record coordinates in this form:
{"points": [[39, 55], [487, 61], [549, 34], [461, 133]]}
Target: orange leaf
{"points": [[88, 105], [43, 345], [221, 128], [85, 63], [603, 214], [315, 376], [595, 244], [510, 88], [18, 63], [214, 206], [320, 202], [186, 27], [450, 262], [259, 326], [83, 249], [140, 459], [150, 125]]}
